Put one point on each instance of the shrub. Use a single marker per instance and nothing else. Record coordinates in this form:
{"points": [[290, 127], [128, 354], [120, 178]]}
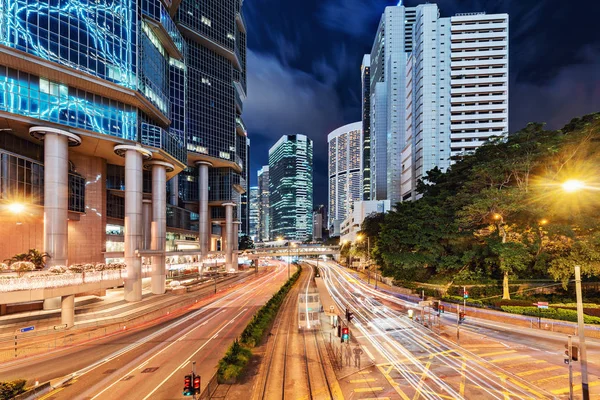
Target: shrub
{"points": [[75, 268], [551, 313], [88, 267], [9, 389], [3, 267], [100, 266], [57, 269]]}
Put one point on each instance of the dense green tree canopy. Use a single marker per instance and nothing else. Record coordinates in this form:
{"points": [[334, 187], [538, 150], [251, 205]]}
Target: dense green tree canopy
{"points": [[501, 212]]}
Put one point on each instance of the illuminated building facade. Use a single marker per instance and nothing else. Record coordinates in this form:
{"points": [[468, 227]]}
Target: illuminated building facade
{"points": [[101, 103], [291, 187]]}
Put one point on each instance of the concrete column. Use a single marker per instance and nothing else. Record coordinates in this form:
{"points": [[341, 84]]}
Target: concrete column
{"points": [[159, 223], [133, 217], [56, 191], [67, 313], [236, 233], [203, 220], [56, 197], [229, 235], [147, 218], [174, 198]]}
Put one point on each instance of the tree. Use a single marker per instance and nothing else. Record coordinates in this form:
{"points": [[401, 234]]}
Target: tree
{"points": [[245, 243], [34, 256]]}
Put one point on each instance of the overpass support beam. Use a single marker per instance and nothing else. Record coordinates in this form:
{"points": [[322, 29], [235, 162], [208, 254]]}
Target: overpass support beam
{"points": [[229, 232], [67, 313], [159, 223], [134, 156]]}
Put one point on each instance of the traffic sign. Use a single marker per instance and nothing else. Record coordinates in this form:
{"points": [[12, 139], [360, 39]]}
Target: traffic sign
{"points": [[27, 329], [541, 304]]}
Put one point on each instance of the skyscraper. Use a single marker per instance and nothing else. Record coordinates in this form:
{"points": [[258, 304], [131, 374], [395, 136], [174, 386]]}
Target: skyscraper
{"points": [[264, 217], [365, 72], [102, 102], [291, 187], [345, 174], [254, 211], [439, 88]]}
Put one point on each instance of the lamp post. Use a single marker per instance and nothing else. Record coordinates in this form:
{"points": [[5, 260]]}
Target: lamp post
{"points": [[572, 186]]}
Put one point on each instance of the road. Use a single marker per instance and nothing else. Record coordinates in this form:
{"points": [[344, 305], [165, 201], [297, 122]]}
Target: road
{"points": [[152, 362], [492, 362], [294, 365]]}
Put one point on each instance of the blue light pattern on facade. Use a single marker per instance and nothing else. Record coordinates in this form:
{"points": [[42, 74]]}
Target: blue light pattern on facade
{"points": [[97, 37], [26, 94]]}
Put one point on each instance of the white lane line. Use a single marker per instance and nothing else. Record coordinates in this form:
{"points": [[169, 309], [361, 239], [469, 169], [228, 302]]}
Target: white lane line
{"points": [[190, 357], [143, 364]]}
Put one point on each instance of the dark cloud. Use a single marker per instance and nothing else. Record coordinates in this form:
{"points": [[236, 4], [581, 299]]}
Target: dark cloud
{"points": [[304, 65]]}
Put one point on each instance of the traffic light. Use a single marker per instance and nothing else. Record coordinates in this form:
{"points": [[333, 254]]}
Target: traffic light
{"points": [[187, 386], [441, 308], [347, 315], [197, 384], [436, 306], [339, 332], [345, 334], [350, 316], [461, 317], [574, 352]]}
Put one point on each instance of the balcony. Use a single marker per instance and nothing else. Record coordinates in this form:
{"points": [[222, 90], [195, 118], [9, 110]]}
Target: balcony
{"points": [[174, 145], [240, 128]]}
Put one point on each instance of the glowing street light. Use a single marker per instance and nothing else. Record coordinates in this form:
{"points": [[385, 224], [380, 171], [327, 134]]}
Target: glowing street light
{"points": [[16, 208], [572, 185]]}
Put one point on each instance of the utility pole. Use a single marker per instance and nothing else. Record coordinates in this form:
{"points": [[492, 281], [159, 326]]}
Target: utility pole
{"points": [[458, 324], [581, 330]]}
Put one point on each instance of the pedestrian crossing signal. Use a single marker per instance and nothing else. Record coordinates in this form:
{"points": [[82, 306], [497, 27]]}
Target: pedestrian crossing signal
{"points": [[187, 386], [345, 335]]}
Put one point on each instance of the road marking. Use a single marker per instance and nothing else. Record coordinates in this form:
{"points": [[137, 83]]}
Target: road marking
{"points": [[363, 380], [535, 371], [528, 362], [576, 388], [503, 359], [393, 383], [368, 353], [364, 372], [463, 377], [363, 390], [423, 377], [497, 353], [52, 393], [565, 376], [190, 357]]}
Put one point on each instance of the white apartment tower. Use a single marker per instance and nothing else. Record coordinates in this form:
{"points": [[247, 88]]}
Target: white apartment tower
{"points": [[479, 80], [445, 92], [345, 173]]}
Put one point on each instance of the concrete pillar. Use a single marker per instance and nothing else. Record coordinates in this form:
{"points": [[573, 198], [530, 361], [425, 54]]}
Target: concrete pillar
{"points": [[174, 198], [229, 235], [56, 197], [67, 313], [159, 223], [147, 218], [56, 191], [133, 217], [236, 233], [203, 220]]}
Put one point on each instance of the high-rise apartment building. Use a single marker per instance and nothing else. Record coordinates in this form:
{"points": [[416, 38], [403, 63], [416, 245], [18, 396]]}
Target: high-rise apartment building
{"points": [[439, 88], [291, 187], [345, 172], [102, 102], [254, 212], [365, 71], [264, 218]]}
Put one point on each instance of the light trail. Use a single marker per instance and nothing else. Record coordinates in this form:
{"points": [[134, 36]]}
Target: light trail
{"points": [[476, 372]]}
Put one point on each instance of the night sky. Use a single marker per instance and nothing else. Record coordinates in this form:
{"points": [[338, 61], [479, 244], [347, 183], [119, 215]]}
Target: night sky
{"points": [[304, 66]]}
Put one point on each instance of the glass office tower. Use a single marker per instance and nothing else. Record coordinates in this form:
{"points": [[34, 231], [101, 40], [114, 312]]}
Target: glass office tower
{"points": [[291, 187], [102, 102]]}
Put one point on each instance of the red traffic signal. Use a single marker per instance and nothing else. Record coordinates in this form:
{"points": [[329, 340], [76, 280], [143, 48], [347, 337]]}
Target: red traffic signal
{"points": [[574, 352], [187, 386], [345, 334], [197, 385]]}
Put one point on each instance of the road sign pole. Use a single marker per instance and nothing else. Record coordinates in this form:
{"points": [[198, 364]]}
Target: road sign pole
{"points": [[458, 324], [570, 368], [15, 346], [581, 330], [193, 377]]}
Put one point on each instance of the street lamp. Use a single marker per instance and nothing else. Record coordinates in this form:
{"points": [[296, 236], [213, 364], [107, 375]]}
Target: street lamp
{"points": [[16, 208], [572, 186]]}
